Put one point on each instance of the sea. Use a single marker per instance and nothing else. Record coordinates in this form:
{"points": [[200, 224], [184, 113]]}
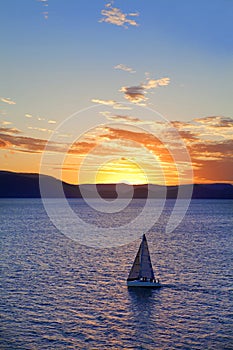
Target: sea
{"points": [[58, 293]]}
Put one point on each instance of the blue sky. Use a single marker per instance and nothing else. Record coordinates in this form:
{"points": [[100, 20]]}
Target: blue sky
{"points": [[52, 67], [67, 56]]}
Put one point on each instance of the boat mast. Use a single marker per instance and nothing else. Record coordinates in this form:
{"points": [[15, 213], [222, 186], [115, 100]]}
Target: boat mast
{"points": [[141, 255]]}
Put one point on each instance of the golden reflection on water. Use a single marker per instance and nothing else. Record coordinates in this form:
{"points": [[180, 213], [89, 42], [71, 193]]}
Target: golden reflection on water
{"points": [[60, 295]]}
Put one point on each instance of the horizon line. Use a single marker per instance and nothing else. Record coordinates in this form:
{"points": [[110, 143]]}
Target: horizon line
{"points": [[119, 183]]}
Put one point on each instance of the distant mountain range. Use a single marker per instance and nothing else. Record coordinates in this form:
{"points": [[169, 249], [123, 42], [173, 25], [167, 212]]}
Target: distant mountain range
{"points": [[23, 185]]}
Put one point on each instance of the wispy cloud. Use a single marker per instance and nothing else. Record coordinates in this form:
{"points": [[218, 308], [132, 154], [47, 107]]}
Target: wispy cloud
{"points": [[104, 102], [8, 100], [154, 83], [45, 4], [115, 16], [4, 144], [10, 131], [46, 14], [5, 122], [51, 121], [136, 94], [124, 68], [9, 138], [3, 112], [112, 103], [209, 128], [216, 121], [40, 129], [119, 118]]}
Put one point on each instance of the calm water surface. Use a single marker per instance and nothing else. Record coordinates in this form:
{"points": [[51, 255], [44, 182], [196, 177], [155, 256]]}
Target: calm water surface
{"points": [[57, 294]]}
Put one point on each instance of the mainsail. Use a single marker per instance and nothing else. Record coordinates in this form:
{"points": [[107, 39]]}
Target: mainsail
{"points": [[142, 267]]}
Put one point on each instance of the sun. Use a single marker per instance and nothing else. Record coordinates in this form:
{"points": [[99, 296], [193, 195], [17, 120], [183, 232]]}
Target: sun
{"points": [[121, 170]]}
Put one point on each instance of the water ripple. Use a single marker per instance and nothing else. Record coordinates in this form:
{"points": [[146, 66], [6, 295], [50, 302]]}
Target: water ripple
{"points": [[56, 294]]}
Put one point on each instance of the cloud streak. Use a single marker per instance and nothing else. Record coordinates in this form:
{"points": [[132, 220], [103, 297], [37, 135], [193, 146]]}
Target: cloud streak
{"points": [[45, 4], [124, 68], [114, 15], [10, 138], [10, 131], [5, 122], [121, 118], [114, 104], [8, 100], [27, 144], [215, 121], [40, 129]]}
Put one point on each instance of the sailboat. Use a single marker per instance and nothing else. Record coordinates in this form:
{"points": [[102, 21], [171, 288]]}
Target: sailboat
{"points": [[141, 273]]}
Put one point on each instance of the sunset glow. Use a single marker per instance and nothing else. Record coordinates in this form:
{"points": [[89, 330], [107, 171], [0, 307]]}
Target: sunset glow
{"points": [[121, 171], [54, 65]]}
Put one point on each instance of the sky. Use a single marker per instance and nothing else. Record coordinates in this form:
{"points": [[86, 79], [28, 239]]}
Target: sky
{"points": [[135, 91]]}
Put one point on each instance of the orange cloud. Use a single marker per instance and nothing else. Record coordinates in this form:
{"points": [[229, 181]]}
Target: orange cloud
{"points": [[10, 131], [135, 94], [24, 143], [216, 121], [4, 144], [220, 149], [211, 153], [210, 144], [220, 170]]}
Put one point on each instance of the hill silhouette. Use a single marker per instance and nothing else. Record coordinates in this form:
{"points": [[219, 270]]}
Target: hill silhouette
{"points": [[24, 185]]}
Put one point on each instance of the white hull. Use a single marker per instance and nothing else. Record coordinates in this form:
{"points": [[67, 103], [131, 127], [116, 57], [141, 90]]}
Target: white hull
{"points": [[145, 284]]}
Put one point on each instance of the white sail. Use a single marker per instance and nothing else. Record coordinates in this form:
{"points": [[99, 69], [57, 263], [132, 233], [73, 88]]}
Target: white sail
{"points": [[142, 267], [146, 266], [135, 270]]}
